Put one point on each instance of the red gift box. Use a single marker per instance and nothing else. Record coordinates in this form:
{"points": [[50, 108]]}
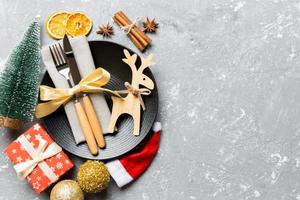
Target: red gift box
{"points": [[42, 158]]}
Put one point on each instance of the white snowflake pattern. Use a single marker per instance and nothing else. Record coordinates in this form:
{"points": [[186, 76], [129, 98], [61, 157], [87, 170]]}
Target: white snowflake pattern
{"points": [[59, 165], [58, 156], [36, 185], [14, 151], [38, 178], [19, 159], [36, 127], [22, 148], [28, 136], [32, 144], [38, 137]]}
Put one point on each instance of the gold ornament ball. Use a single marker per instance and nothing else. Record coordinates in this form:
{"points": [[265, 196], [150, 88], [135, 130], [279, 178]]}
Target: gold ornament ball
{"points": [[93, 176], [66, 190]]}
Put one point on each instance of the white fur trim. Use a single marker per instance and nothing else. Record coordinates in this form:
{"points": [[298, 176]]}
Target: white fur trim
{"points": [[119, 173], [156, 127]]}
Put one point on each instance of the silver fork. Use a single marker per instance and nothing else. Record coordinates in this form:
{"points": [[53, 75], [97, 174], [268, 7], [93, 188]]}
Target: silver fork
{"points": [[60, 62], [62, 67]]}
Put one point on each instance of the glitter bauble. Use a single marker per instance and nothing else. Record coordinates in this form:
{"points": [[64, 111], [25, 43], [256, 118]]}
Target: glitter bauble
{"points": [[66, 190], [93, 176]]}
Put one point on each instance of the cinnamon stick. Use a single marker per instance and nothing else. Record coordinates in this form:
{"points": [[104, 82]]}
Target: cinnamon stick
{"points": [[120, 18], [130, 35], [137, 43], [138, 37], [135, 29], [127, 21]]}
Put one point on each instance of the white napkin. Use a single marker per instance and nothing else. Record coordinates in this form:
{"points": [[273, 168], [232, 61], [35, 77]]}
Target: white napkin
{"points": [[86, 65]]}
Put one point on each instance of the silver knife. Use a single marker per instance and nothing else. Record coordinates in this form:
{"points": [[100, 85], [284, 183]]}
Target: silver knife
{"points": [[71, 61]]}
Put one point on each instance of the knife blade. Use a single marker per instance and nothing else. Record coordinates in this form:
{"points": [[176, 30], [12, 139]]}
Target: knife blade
{"points": [[71, 60]]}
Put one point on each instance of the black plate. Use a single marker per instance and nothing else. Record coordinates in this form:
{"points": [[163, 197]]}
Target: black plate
{"points": [[109, 56]]}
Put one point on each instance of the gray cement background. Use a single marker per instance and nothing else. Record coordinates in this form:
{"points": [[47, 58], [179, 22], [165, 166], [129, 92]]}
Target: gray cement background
{"points": [[228, 73]]}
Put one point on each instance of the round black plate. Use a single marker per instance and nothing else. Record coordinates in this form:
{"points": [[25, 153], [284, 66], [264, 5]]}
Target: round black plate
{"points": [[109, 56]]}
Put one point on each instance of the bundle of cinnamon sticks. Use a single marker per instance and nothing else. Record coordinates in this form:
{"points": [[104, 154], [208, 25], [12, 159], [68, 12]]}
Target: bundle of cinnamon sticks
{"points": [[138, 37]]}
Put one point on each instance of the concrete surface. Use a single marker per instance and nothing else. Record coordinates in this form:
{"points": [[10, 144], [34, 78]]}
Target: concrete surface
{"points": [[229, 76]]}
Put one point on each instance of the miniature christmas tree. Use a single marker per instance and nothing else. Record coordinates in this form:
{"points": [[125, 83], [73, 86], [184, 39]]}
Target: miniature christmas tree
{"points": [[19, 80]]}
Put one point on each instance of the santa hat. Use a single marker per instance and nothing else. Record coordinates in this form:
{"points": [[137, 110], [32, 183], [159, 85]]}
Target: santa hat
{"points": [[129, 167]]}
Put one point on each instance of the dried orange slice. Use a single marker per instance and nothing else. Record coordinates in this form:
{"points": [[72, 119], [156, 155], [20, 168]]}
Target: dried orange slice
{"points": [[56, 24], [78, 24]]}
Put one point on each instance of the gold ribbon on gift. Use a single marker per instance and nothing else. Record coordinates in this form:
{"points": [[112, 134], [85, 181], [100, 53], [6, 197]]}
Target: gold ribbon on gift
{"points": [[56, 97], [38, 156]]}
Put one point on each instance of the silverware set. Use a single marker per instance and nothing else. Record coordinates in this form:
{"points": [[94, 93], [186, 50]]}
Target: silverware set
{"points": [[66, 65]]}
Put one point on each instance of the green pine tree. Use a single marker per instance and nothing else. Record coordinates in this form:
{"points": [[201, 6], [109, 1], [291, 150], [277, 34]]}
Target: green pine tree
{"points": [[19, 80]]}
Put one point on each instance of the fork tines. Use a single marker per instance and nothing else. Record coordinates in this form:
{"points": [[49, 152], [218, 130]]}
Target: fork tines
{"points": [[57, 54]]}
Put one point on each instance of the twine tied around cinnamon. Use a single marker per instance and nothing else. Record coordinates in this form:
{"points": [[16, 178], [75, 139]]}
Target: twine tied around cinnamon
{"points": [[127, 28], [137, 36]]}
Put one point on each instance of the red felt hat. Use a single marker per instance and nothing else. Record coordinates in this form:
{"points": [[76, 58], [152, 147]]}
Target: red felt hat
{"points": [[130, 166]]}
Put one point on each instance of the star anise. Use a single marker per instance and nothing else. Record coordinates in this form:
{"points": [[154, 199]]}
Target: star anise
{"points": [[150, 26], [106, 30]]}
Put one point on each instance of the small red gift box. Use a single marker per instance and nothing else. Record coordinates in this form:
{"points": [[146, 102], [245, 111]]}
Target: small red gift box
{"points": [[36, 156]]}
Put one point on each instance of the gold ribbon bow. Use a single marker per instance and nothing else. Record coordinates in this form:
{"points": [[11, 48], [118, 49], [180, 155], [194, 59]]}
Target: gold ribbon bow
{"points": [[56, 97], [137, 92], [38, 156]]}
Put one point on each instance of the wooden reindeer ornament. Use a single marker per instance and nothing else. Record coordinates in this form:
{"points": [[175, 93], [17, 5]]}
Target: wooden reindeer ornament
{"points": [[131, 104]]}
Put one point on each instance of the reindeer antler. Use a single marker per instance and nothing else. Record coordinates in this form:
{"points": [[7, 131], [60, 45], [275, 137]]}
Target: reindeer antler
{"points": [[130, 60], [146, 62]]}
